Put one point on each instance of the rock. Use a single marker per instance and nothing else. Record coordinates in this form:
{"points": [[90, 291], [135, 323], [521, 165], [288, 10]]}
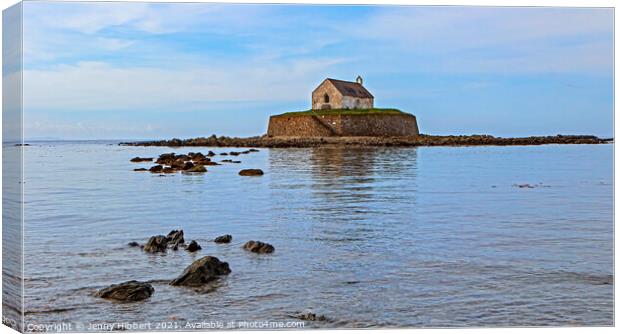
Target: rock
{"points": [[133, 244], [156, 244], [223, 153], [169, 170], [130, 291], [234, 153], [245, 152], [175, 237], [178, 164], [188, 165], [156, 169], [166, 159], [210, 153], [251, 172], [193, 246], [140, 169], [310, 316], [138, 159], [210, 163], [197, 169], [258, 247], [223, 239], [253, 150], [202, 271]]}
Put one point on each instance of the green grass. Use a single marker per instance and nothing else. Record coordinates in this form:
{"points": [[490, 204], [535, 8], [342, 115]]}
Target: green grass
{"points": [[374, 111]]}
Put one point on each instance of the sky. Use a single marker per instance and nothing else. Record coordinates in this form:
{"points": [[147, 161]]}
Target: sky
{"points": [[157, 70]]}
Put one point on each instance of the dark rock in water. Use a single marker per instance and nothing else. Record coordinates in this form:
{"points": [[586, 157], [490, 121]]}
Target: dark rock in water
{"points": [[140, 169], [251, 172], [197, 156], [169, 170], [130, 291], [234, 153], [178, 164], [310, 316], [156, 244], [231, 161], [210, 163], [223, 153], [188, 165], [156, 169], [197, 169], [253, 150], [166, 159], [175, 237], [223, 239], [133, 244], [193, 246], [210, 153], [202, 271], [258, 247], [246, 152], [138, 159]]}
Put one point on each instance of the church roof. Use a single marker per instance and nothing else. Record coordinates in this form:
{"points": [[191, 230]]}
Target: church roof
{"points": [[353, 89]]}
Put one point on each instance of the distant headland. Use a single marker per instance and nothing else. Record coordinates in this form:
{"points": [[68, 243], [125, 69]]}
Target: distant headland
{"points": [[343, 113]]}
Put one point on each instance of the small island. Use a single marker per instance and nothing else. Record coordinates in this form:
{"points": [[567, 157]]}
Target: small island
{"points": [[343, 113]]}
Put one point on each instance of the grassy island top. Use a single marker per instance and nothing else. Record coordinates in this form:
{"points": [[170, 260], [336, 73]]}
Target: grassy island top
{"points": [[373, 111]]}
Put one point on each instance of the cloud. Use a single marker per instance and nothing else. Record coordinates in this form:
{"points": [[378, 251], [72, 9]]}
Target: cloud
{"points": [[496, 39], [101, 86]]}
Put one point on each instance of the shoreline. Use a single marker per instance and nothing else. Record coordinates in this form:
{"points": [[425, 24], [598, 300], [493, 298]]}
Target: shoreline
{"points": [[414, 141]]}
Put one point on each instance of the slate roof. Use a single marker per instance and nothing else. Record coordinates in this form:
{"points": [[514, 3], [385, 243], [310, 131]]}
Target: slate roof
{"points": [[352, 89]]}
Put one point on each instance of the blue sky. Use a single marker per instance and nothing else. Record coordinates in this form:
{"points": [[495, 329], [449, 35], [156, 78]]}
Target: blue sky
{"points": [[139, 70]]}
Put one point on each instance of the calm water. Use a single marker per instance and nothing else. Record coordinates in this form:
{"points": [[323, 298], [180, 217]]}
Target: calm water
{"points": [[391, 237]]}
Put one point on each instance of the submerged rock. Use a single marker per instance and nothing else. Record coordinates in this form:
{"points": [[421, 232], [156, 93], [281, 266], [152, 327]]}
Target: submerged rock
{"points": [[156, 169], [193, 246], [156, 244], [258, 247], [130, 291], [197, 169], [223, 239], [202, 271], [169, 170], [253, 150], [133, 244], [138, 159], [310, 316], [140, 169], [251, 172]]}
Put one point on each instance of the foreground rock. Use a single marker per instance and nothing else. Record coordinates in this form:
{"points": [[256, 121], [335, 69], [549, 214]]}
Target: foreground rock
{"points": [[193, 246], [130, 291], [258, 247], [223, 239], [421, 140], [251, 172], [155, 244], [202, 271]]}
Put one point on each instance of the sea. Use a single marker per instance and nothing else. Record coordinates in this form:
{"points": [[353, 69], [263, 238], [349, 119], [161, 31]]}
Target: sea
{"points": [[390, 237]]}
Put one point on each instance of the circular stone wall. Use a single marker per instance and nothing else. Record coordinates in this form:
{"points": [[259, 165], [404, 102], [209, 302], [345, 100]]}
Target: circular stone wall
{"points": [[372, 125]]}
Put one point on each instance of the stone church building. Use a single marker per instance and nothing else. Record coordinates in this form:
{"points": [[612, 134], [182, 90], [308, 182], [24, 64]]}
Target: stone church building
{"points": [[338, 94]]}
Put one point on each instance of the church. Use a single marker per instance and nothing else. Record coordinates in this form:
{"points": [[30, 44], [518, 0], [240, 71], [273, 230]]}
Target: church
{"points": [[339, 94]]}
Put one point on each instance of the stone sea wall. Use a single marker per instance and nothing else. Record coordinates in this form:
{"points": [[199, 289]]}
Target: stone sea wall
{"points": [[371, 125]]}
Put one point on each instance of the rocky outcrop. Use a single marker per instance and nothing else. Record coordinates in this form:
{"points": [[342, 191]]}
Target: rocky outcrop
{"points": [[155, 244], [258, 247], [420, 140], [130, 291], [175, 237], [251, 172], [193, 246], [223, 239], [202, 271]]}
